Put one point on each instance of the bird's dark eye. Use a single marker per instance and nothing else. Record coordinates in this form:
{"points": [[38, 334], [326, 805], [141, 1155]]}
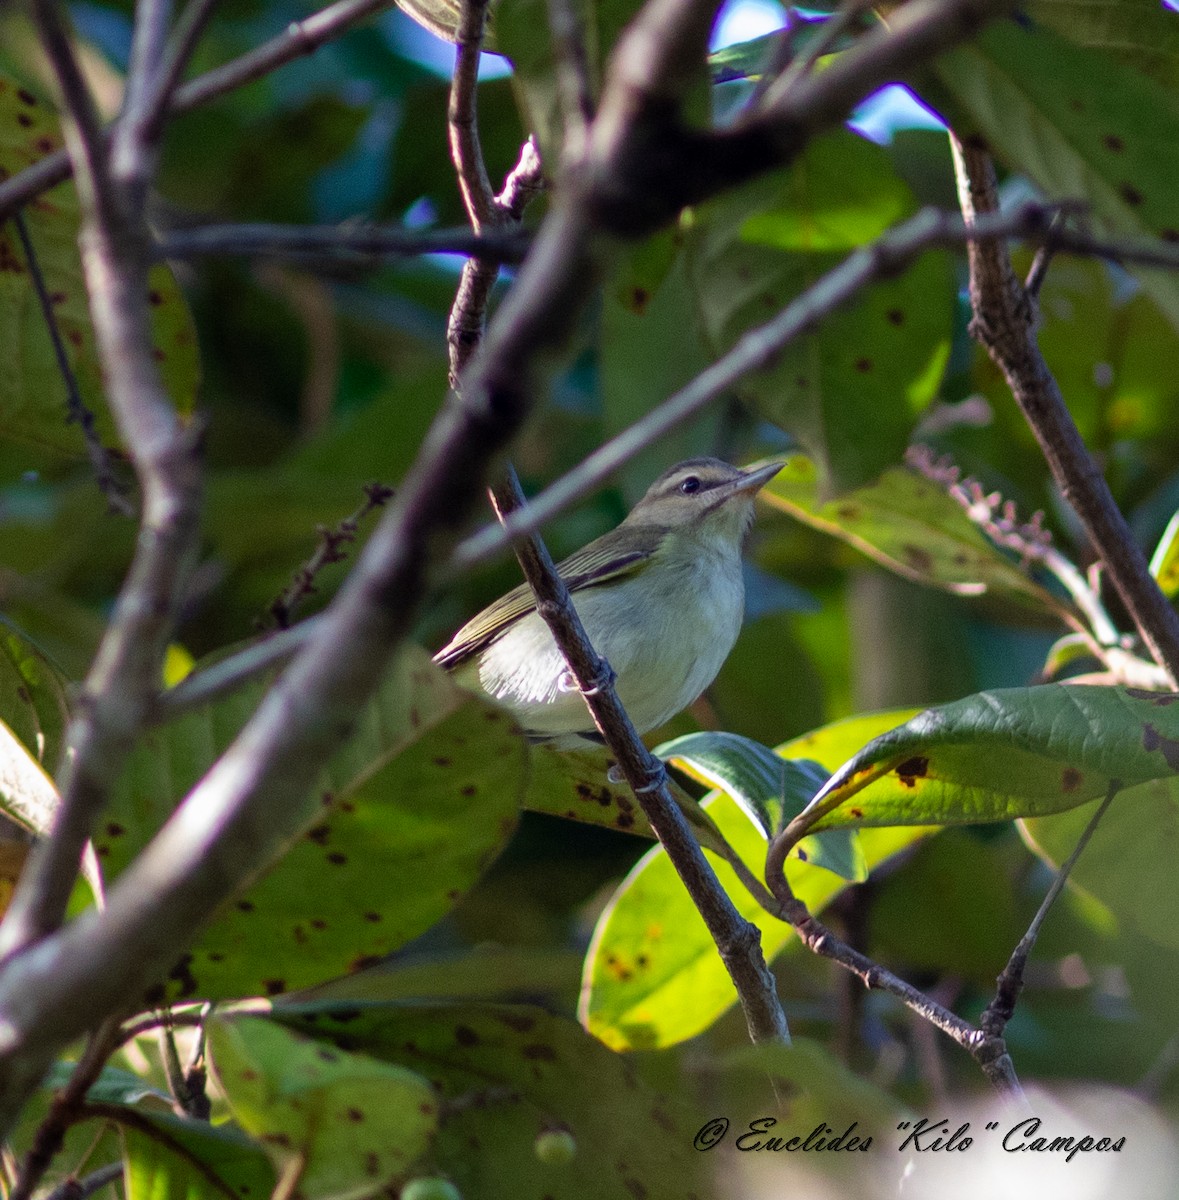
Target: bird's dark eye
{"points": [[690, 485]]}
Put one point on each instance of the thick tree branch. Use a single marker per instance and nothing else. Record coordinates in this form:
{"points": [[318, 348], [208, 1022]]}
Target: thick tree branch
{"points": [[737, 940], [1004, 324], [125, 675]]}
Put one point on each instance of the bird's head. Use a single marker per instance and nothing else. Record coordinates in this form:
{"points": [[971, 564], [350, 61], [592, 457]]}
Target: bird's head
{"points": [[703, 496]]}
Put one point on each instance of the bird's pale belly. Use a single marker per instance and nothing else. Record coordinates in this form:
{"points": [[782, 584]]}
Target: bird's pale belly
{"points": [[662, 659]]}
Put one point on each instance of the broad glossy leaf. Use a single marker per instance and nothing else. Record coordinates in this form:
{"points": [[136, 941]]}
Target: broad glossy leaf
{"points": [[27, 793], [346, 1124], [412, 810], [904, 522], [576, 785], [1081, 125], [849, 392], [1164, 563], [652, 975], [1129, 864], [999, 755], [770, 790], [32, 394], [173, 1158], [1141, 33], [509, 1073]]}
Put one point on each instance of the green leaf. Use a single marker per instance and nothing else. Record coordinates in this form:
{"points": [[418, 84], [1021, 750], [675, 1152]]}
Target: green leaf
{"points": [[411, 812], [906, 523], [173, 1158], [1080, 125], [508, 1074], [652, 975], [1140, 33], [27, 794], [33, 695], [1129, 864], [999, 755], [344, 1124], [1164, 563], [577, 785], [32, 393], [851, 391], [770, 791]]}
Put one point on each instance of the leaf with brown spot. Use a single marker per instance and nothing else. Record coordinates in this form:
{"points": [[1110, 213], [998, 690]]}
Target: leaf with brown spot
{"points": [[850, 391], [505, 1074], [352, 1123], [403, 841], [1030, 91], [903, 523], [1005, 754], [32, 393]]}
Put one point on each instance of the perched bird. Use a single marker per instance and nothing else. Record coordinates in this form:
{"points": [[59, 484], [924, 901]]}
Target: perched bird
{"points": [[661, 598]]}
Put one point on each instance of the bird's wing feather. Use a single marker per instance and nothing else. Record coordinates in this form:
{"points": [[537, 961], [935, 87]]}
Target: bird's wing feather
{"points": [[591, 565]]}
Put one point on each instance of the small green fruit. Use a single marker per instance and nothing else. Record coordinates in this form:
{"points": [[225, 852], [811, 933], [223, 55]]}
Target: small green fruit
{"points": [[555, 1147], [430, 1188]]}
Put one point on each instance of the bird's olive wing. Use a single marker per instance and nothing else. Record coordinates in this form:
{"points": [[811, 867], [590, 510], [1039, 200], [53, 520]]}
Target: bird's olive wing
{"points": [[624, 553]]}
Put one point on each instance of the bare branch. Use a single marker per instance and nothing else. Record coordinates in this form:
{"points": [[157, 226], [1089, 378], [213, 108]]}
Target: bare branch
{"points": [[299, 38], [1010, 982], [737, 940], [125, 675], [1003, 324], [81, 1189], [331, 549], [157, 101], [101, 459], [65, 1110], [351, 244]]}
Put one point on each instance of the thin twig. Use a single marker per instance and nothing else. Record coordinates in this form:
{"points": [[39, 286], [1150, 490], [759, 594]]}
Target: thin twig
{"points": [[737, 940], [989, 1052], [80, 1189], [65, 1109], [1010, 982], [352, 244], [485, 210], [1003, 325], [777, 86], [132, 152], [185, 37], [299, 38], [332, 548], [101, 458]]}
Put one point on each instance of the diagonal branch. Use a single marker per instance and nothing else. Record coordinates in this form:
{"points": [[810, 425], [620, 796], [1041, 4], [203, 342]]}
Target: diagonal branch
{"points": [[1004, 324], [737, 940], [125, 674]]}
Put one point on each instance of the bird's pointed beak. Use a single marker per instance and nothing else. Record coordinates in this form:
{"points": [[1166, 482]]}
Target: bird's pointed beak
{"points": [[756, 478]]}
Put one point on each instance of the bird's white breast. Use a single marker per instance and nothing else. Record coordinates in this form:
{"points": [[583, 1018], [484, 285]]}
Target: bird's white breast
{"points": [[666, 632]]}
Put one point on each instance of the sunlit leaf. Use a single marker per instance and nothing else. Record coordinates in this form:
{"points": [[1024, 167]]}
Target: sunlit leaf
{"points": [[653, 976], [1164, 563], [904, 522], [506, 1075], [345, 1125], [999, 755]]}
